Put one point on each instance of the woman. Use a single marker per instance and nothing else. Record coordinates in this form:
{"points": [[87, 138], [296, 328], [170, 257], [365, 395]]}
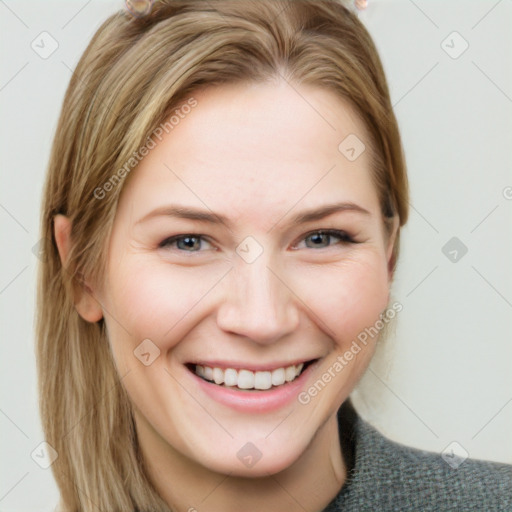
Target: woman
{"points": [[222, 213]]}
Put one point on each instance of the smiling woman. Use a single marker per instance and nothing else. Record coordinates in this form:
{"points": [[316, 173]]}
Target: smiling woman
{"points": [[203, 321]]}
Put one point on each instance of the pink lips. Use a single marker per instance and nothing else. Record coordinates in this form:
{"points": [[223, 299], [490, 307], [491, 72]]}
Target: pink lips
{"points": [[252, 401]]}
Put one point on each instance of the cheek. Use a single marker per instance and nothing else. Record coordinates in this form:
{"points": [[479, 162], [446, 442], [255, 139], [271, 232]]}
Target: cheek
{"points": [[347, 297], [153, 299]]}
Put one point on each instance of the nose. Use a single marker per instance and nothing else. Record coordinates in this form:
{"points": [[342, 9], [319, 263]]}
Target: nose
{"points": [[257, 303]]}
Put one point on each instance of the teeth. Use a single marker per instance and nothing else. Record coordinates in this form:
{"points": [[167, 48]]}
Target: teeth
{"points": [[290, 373], [230, 377], [247, 379], [218, 376], [278, 377], [263, 380], [208, 373]]}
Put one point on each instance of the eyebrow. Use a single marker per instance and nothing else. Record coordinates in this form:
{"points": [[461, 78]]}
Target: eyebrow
{"points": [[186, 212]]}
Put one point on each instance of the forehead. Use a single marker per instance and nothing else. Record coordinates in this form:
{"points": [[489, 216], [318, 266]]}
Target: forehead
{"points": [[252, 149]]}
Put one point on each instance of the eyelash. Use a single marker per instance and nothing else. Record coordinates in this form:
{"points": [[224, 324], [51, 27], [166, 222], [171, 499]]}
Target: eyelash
{"points": [[344, 237]]}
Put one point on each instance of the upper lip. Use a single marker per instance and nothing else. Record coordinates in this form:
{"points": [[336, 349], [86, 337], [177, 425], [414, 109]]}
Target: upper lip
{"points": [[236, 365]]}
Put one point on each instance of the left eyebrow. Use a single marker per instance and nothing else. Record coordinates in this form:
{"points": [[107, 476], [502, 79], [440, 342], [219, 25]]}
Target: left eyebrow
{"points": [[325, 211]]}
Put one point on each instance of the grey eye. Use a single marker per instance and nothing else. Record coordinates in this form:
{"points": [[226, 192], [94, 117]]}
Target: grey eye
{"points": [[189, 242], [321, 239], [186, 243]]}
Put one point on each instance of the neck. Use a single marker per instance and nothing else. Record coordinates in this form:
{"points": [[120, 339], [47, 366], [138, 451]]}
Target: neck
{"points": [[310, 483]]}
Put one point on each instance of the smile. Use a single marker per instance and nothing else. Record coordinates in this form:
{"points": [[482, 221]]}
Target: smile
{"points": [[246, 379], [251, 388]]}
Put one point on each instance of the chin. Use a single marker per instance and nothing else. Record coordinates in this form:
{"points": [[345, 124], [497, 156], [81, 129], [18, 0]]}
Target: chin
{"points": [[262, 458], [269, 464]]}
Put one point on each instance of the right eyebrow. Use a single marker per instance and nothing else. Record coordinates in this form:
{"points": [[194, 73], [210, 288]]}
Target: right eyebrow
{"points": [[185, 212]]}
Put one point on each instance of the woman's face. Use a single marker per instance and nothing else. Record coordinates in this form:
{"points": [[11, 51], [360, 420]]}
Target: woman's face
{"points": [[216, 261]]}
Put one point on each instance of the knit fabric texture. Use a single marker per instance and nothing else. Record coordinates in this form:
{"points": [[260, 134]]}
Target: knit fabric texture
{"points": [[388, 476]]}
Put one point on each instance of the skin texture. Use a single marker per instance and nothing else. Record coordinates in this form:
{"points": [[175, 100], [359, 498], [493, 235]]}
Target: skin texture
{"points": [[257, 154]]}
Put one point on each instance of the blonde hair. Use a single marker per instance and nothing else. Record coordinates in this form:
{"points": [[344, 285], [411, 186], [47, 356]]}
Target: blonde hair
{"points": [[134, 72]]}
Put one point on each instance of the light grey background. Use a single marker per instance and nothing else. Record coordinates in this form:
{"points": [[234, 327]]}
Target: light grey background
{"points": [[445, 375]]}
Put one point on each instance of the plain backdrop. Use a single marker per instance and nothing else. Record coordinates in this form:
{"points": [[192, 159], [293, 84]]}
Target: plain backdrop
{"points": [[444, 374]]}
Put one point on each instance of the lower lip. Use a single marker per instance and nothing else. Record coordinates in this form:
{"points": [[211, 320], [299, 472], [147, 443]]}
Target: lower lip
{"points": [[254, 400]]}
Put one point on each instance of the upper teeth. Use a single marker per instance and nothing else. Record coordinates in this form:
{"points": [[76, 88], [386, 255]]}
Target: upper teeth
{"points": [[247, 379]]}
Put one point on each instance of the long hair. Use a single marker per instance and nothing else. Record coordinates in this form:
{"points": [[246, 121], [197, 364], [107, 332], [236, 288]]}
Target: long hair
{"points": [[132, 75]]}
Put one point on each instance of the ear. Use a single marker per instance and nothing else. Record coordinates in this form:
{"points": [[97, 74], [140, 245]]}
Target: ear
{"points": [[85, 303], [390, 245]]}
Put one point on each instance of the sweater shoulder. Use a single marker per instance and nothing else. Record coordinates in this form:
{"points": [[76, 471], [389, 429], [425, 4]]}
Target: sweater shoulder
{"points": [[391, 476]]}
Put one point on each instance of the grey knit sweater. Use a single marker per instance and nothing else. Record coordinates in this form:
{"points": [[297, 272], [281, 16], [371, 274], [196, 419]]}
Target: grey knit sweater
{"points": [[387, 476]]}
